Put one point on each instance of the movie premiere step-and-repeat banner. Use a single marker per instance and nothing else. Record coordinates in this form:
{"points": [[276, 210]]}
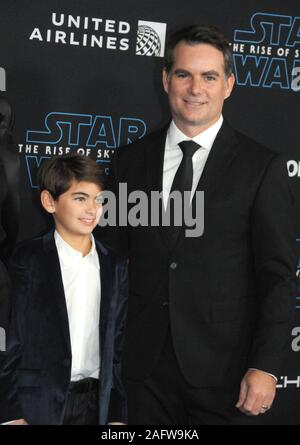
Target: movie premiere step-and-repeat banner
{"points": [[86, 77]]}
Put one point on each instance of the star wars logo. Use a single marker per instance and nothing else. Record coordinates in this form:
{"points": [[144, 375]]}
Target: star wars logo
{"points": [[88, 135], [88, 130], [268, 54]]}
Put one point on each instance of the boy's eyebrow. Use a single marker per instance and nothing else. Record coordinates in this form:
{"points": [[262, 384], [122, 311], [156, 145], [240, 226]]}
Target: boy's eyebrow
{"points": [[85, 194], [80, 193]]}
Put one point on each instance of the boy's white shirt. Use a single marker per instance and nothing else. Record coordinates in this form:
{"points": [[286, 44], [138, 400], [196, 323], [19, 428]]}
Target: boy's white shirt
{"points": [[81, 280]]}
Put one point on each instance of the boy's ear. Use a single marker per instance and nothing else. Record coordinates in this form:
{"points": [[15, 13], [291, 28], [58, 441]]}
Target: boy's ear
{"points": [[47, 201]]}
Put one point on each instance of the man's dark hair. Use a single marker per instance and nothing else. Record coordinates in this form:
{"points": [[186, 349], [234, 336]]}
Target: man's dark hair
{"points": [[195, 35], [56, 174]]}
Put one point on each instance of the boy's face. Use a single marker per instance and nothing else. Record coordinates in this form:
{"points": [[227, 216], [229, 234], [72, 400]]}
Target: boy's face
{"points": [[77, 211]]}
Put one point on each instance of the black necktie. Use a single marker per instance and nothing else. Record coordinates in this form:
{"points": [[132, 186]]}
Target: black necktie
{"points": [[183, 180]]}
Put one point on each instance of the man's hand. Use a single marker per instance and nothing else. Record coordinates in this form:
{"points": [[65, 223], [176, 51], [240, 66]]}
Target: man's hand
{"points": [[257, 393], [16, 422], [116, 423]]}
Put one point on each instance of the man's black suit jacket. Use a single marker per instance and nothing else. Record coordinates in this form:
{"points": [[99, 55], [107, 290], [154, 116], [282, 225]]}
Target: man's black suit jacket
{"points": [[35, 379], [227, 295]]}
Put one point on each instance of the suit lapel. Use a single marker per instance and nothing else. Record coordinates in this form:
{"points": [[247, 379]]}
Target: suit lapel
{"points": [[106, 279], [222, 153], [52, 265]]}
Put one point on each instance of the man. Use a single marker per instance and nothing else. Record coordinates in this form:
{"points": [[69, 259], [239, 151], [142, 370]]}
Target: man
{"points": [[209, 317]]}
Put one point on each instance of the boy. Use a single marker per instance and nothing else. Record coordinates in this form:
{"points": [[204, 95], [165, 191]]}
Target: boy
{"points": [[63, 364]]}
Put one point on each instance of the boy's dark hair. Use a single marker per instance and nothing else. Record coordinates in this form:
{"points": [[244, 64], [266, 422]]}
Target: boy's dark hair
{"points": [[195, 35], [56, 174]]}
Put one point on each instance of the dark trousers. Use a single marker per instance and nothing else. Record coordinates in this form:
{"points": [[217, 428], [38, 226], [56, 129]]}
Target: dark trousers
{"points": [[82, 403], [166, 398]]}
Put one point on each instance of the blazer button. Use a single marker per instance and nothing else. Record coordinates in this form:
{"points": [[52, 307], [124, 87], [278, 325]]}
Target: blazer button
{"points": [[165, 304], [173, 265]]}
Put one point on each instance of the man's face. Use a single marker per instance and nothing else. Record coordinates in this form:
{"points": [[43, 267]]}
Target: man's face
{"points": [[77, 211], [197, 87]]}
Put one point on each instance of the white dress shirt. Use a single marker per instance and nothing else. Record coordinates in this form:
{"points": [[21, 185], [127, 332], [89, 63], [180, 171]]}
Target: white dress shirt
{"points": [[81, 280], [173, 154]]}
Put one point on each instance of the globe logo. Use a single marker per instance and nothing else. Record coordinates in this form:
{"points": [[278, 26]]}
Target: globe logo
{"points": [[148, 42]]}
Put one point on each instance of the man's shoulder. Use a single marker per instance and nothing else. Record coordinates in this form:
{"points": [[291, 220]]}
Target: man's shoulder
{"points": [[137, 147], [251, 147], [260, 161]]}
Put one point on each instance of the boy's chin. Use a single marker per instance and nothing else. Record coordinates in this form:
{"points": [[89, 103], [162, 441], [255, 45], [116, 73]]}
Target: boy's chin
{"points": [[86, 231]]}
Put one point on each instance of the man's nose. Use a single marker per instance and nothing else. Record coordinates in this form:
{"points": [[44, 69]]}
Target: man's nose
{"points": [[196, 86]]}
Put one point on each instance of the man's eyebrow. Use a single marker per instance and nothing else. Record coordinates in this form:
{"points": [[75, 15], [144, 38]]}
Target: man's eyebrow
{"points": [[211, 73], [180, 70], [205, 73]]}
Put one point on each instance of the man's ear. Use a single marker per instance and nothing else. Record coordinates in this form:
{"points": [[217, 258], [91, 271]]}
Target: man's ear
{"points": [[165, 80], [229, 85], [47, 201]]}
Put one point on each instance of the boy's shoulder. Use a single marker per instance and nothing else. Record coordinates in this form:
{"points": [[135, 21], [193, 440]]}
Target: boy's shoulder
{"points": [[29, 249]]}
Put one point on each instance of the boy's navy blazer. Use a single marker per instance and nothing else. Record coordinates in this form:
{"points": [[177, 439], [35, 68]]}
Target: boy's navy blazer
{"points": [[35, 379]]}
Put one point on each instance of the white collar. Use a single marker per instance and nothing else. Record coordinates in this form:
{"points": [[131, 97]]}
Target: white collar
{"points": [[204, 139], [68, 253]]}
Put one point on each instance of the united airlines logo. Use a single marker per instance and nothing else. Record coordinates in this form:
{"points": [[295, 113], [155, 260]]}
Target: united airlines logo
{"points": [[151, 38], [87, 134], [102, 33], [267, 54]]}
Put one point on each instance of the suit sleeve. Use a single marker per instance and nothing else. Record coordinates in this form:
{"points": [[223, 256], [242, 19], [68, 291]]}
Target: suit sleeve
{"points": [[10, 408], [118, 406], [273, 241]]}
